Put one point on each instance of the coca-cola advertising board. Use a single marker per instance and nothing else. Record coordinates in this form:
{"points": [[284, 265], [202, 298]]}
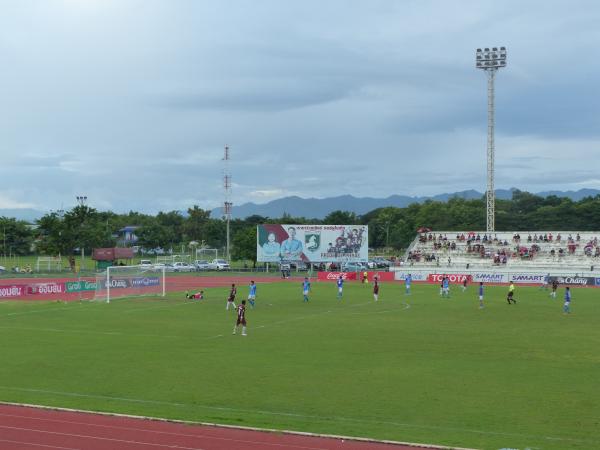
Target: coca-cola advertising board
{"points": [[332, 276]]}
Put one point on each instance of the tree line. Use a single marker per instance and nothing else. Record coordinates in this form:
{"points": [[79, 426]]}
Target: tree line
{"points": [[389, 227]]}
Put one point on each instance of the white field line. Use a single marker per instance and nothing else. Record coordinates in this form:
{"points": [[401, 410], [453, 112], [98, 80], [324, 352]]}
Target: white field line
{"points": [[209, 424], [294, 415], [81, 331]]}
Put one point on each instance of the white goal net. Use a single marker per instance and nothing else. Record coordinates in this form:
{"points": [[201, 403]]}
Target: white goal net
{"points": [[130, 281]]}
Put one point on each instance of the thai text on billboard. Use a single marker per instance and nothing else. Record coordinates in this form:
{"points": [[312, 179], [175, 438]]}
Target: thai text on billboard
{"points": [[312, 243]]}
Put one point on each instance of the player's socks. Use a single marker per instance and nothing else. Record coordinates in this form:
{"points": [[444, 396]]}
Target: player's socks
{"points": [[234, 330], [243, 331]]}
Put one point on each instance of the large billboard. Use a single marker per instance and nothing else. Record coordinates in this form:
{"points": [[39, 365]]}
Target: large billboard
{"points": [[312, 243]]}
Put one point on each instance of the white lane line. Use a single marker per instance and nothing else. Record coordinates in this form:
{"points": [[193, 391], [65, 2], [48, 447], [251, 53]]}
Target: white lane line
{"points": [[238, 427], [98, 438], [32, 444], [296, 415], [155, 432]]}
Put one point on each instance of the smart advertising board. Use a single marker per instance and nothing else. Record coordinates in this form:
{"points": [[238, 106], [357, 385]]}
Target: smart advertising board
{"points": [[312, 243]]}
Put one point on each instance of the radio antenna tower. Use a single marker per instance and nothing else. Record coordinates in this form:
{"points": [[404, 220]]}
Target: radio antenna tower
{"points": [[227, 190], [490, 60]]}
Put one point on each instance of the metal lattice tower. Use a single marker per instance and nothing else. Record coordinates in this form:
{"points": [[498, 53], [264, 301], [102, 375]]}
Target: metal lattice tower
{"points": [[227, 204], [490, 60]]}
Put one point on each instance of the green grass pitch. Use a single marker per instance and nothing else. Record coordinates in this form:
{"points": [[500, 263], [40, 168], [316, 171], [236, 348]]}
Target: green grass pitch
{"points": [[440, 371]]}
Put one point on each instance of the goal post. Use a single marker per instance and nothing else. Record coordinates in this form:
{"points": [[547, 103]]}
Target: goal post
{"points": [[48, 263], [207, 253], [130, 281]]}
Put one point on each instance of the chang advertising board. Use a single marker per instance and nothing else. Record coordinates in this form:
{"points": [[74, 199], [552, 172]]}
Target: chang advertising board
{"points": [[312, 243], [574, 281], [145, 281]]}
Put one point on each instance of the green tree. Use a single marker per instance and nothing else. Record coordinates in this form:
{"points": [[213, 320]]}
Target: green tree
{"points": [[244, 245], [340, 218], [16, 237]]}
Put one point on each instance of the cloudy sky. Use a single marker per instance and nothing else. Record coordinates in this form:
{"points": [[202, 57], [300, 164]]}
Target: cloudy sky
{"points": [[131, 102]]}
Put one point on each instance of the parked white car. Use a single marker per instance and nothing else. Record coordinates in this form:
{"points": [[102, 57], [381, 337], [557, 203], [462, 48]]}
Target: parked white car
{"points": [[219, 264], [146, 264], [202, 264], [180, 266]]}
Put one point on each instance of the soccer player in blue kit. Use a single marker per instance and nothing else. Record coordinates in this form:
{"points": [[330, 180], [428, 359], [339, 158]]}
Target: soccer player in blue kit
{"points": [[252, 294], [340, 287], [407, 283], [305, 288]]}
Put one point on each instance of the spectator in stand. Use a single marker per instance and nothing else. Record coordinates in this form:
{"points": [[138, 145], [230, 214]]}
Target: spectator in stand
{"points": [[578, 237], [529, 238], [558, 237]]}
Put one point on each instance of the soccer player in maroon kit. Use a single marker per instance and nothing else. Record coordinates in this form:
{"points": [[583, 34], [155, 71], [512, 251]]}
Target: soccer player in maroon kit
{"points": [[231, 298], [376, 288], [241, 318]]}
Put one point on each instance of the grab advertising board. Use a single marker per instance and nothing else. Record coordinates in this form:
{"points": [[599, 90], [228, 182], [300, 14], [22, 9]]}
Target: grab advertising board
{"points": [[312, 243]]}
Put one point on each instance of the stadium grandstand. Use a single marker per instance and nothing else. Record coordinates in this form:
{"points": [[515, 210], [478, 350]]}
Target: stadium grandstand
{"points": [[559, 251]]}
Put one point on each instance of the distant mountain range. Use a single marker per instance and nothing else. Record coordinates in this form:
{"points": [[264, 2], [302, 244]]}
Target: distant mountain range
{"points": [[319, 207]]}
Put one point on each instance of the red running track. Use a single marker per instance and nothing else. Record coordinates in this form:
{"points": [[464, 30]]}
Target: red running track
{"points": [[31, 428]]}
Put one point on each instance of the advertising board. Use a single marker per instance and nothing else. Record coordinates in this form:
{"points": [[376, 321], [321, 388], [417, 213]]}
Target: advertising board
{"points": [[312, 243], [452, 277], [486, 277], [575, 281], [12, 291], [401, 276]]}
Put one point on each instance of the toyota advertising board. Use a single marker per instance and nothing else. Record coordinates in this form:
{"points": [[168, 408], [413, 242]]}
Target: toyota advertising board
{"points": [[452, 277]]}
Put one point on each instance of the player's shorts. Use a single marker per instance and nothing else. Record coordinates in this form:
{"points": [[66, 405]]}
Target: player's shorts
{"points": [[241, 322], [252, 297], [446, 290], [305, 292], [340, 290], [231, 299], [510, 294], [481, 297]]}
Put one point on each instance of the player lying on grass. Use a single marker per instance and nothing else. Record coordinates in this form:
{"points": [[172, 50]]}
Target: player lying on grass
{"points": [[195, 295]]}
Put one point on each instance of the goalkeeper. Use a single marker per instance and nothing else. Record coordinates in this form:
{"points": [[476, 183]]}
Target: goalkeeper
{"points": [[195, 295]]}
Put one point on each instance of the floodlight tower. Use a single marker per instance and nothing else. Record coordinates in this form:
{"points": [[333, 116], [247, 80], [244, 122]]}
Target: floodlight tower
{"points": [[227, 204], [490, 60]]}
